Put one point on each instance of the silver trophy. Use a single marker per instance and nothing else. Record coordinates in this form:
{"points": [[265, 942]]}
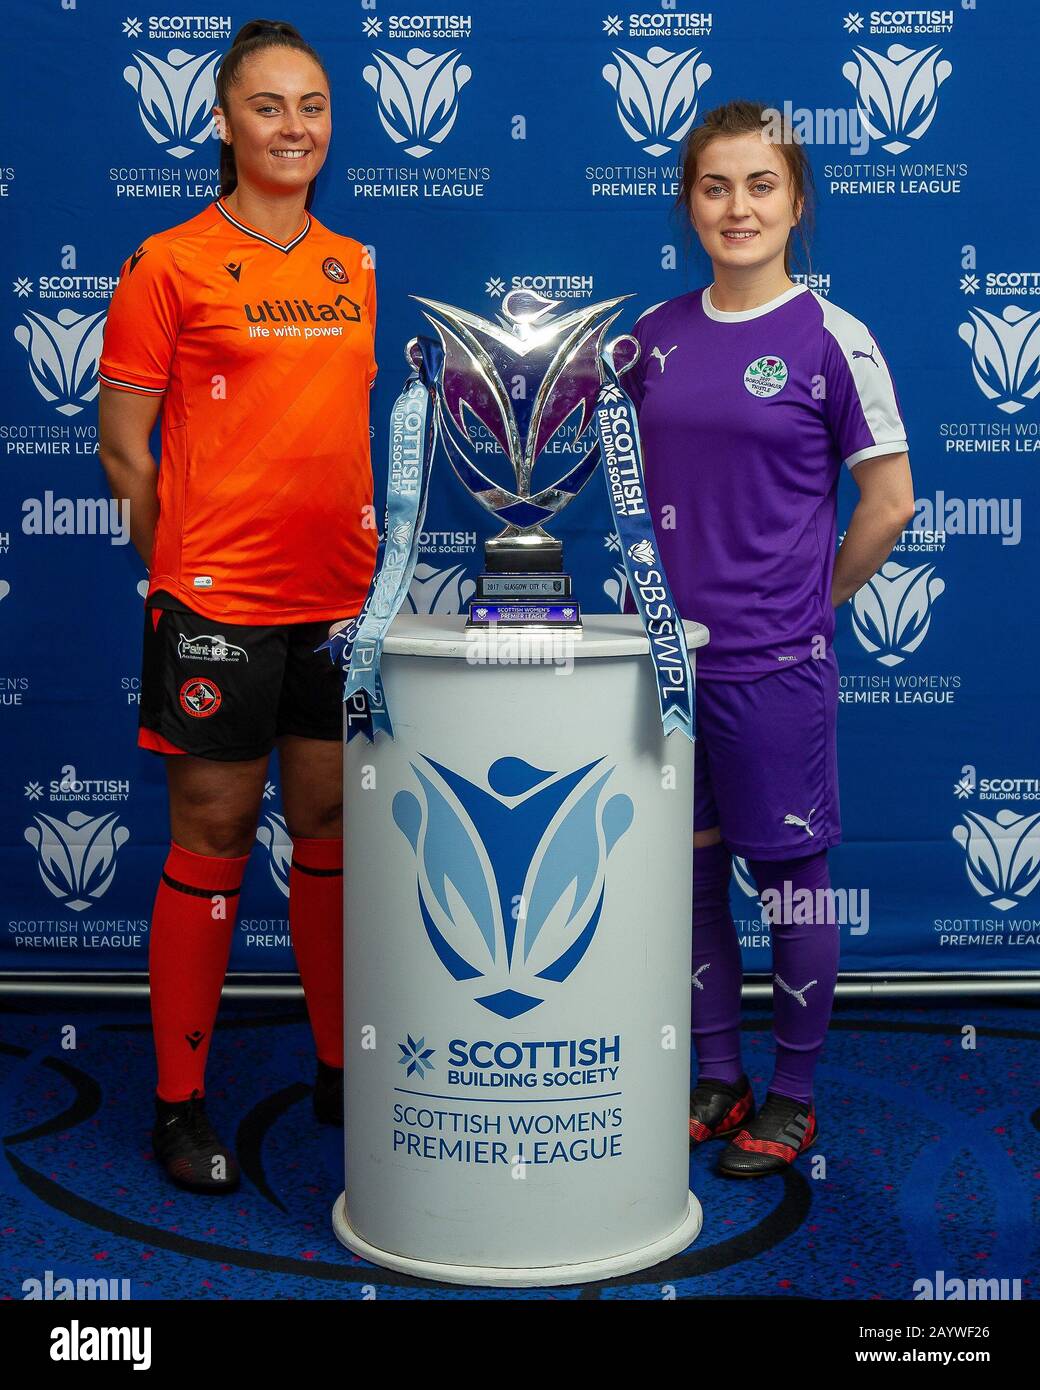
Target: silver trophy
{"points": [[510, 391]]}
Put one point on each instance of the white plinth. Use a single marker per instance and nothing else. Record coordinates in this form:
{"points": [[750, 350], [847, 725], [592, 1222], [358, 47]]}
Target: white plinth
{"points": [[517, 961]]}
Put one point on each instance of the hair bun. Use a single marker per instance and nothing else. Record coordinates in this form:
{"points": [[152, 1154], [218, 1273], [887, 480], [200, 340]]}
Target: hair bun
{"points": [[265, 29]]}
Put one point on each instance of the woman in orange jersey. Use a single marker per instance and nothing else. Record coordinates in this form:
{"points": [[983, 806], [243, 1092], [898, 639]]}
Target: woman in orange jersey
{"points": [[251, 326]]}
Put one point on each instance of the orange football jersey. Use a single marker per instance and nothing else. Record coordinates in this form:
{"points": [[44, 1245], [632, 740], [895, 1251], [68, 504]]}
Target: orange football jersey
{"points": [[264, 355]]}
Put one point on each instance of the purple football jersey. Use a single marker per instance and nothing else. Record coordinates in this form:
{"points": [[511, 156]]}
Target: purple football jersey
{"points": [[746, 418]]}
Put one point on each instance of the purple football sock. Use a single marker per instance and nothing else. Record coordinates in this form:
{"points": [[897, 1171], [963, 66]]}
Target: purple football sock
{"points": [[805, 964], [717, 968]]}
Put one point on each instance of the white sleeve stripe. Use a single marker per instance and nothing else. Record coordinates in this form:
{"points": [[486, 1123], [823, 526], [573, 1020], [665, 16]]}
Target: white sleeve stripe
{"points": [[131, 385], [869, 370], [651, 309], [895, 446]]}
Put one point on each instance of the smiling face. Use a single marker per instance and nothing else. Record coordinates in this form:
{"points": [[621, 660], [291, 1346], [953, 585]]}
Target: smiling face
{"points": [[741, 205], [278, 120]]}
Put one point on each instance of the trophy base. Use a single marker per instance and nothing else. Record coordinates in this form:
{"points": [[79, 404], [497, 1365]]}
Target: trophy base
{"points": [[522, 600]]}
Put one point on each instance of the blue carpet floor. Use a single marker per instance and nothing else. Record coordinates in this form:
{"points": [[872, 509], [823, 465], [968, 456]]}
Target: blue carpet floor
{"points": [[932, 1164]]}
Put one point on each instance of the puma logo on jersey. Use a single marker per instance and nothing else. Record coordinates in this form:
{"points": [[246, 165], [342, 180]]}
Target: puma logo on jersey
{"points": [[789, 819], [795, 993], [234, 270], [856, 352], [134, 259], [662, 356]]}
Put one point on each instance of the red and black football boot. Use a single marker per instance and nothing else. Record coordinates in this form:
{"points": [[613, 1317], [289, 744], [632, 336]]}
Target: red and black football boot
{"points": [[187, 1146], [719, 1108], [781, 1130]]}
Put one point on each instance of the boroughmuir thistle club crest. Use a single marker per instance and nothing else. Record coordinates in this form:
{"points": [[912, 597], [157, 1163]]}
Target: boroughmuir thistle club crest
{"points": [[511, 877]]}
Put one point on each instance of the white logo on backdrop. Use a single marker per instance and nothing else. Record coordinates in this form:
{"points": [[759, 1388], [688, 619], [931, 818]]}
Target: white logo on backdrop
{"points": [[1002, 856], [897, 92], [657, 95], [418, 96], [440, 590], [1005, 355], [891, 614], [63, 356], [77, 857], [175, 96]]}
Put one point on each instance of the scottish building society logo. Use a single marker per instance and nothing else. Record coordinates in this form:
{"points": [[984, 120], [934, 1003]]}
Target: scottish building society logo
{"points": [[891, 614], [175, 96], [897, 92], [511, 880], [418, 96], [1005, 355], [657, 95]]}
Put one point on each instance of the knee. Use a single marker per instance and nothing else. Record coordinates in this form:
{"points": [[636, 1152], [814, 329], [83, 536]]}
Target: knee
{"points": [[217, 837], [805, 871], [712, 866], [317, 821]]}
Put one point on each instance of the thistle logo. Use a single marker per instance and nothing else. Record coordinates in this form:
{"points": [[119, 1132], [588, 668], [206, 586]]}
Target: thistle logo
{"points": [[418, 96], [439, 590], [891, 614], [657, 95], [274, 836], [766, 376], [511, 880], [1005, 355], [175, 96], [63, 356], [897, 93], [77, 857], [1002, 856]]}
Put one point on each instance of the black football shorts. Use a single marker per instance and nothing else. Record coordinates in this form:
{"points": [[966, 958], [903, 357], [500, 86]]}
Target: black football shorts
{"points": [[226, 690]]}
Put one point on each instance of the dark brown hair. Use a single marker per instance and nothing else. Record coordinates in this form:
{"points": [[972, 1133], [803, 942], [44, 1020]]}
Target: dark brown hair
{"points": [[746, 118], [254, 37]]}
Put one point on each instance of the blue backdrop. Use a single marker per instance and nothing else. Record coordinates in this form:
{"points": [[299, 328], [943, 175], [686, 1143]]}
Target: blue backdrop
{"points": [[539, 147]]}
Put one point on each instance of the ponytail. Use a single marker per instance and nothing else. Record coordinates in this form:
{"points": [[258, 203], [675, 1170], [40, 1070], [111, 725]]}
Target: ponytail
{"points": [[253, 37]]}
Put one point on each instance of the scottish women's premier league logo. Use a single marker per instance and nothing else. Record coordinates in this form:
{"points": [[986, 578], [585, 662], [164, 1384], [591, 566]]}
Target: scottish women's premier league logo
{"points": [[512, 878]]}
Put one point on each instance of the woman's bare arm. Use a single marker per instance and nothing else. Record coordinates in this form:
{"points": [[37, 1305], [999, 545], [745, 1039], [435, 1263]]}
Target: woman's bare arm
{"points": [[885, 508], [125, 421]]}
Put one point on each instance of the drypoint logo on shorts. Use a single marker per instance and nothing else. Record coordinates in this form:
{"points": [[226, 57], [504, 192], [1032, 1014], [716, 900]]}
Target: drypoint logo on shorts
{"points": [[513, 877], [175, 96], [897, 92], [657, 95], [891, 614], [200, 697], [1005, 355]]}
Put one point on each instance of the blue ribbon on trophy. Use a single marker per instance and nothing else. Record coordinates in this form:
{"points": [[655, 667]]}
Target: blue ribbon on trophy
{"points": [[357, 648], [560, 378], [622, 454]]}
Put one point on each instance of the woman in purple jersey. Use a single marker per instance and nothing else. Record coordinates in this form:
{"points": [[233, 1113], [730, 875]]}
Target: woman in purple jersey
{"points": [[753, 395]]}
